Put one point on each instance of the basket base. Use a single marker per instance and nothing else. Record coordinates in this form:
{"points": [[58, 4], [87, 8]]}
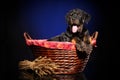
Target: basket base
{"points": [[68, 60]]}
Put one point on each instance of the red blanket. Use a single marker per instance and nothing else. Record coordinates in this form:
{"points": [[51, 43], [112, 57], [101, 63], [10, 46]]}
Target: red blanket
{"points": [[51, 44]]}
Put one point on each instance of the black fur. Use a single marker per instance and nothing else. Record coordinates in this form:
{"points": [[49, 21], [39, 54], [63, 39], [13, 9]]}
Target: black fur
{"points": [[83, 45]]}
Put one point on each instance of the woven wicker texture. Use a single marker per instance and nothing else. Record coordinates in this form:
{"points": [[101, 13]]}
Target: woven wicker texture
{"points": [[67, 59]]}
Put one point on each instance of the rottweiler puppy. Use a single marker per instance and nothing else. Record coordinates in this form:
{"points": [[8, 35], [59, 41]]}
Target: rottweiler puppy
{"points": [[76, 32]]}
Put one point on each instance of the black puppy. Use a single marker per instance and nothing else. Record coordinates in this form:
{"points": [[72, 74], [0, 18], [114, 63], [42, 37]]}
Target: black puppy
{"points": [[76, 31]]}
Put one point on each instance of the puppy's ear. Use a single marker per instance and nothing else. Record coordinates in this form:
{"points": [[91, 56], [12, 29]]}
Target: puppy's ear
{"points": [[86, 17]]}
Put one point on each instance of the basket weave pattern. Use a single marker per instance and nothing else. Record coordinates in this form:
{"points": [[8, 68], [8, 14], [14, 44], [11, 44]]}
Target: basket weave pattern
{"points": [[67, 59]]}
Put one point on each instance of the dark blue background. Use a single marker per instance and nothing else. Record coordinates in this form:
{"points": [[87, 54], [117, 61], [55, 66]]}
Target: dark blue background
{"points": [[45, 19]]}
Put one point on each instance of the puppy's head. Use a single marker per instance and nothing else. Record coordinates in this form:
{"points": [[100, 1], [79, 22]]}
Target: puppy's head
{"points": [[75, 19]]}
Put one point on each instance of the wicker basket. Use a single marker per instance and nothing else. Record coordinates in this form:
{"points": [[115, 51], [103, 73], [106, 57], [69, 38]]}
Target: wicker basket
{"points": [[66, 57]]}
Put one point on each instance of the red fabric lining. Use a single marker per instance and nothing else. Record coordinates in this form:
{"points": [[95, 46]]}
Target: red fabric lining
{"points": [[51, 44]]}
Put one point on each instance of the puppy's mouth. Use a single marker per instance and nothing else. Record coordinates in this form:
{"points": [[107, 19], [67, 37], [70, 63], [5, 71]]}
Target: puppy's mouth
{"points": [[74, 29]]}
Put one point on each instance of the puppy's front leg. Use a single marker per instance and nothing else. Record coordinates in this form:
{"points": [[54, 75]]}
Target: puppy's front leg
{"points": [[84, 47]]}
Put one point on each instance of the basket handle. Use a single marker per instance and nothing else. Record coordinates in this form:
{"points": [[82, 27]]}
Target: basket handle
{"points": [[95, 35], [93, 38], [27, 36]]}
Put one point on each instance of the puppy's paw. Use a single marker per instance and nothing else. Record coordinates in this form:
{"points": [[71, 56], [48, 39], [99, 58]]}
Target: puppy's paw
{"points": [[78, 47]]}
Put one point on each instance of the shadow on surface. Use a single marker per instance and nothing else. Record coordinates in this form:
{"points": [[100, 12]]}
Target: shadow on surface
{"points": [[28, 75]]}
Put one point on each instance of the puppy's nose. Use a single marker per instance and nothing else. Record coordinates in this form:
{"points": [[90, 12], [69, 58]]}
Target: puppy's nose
{"points": [[76, 21]]}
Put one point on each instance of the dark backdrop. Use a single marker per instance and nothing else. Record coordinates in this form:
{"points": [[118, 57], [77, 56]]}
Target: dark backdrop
{"points": [[46, 18]]}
